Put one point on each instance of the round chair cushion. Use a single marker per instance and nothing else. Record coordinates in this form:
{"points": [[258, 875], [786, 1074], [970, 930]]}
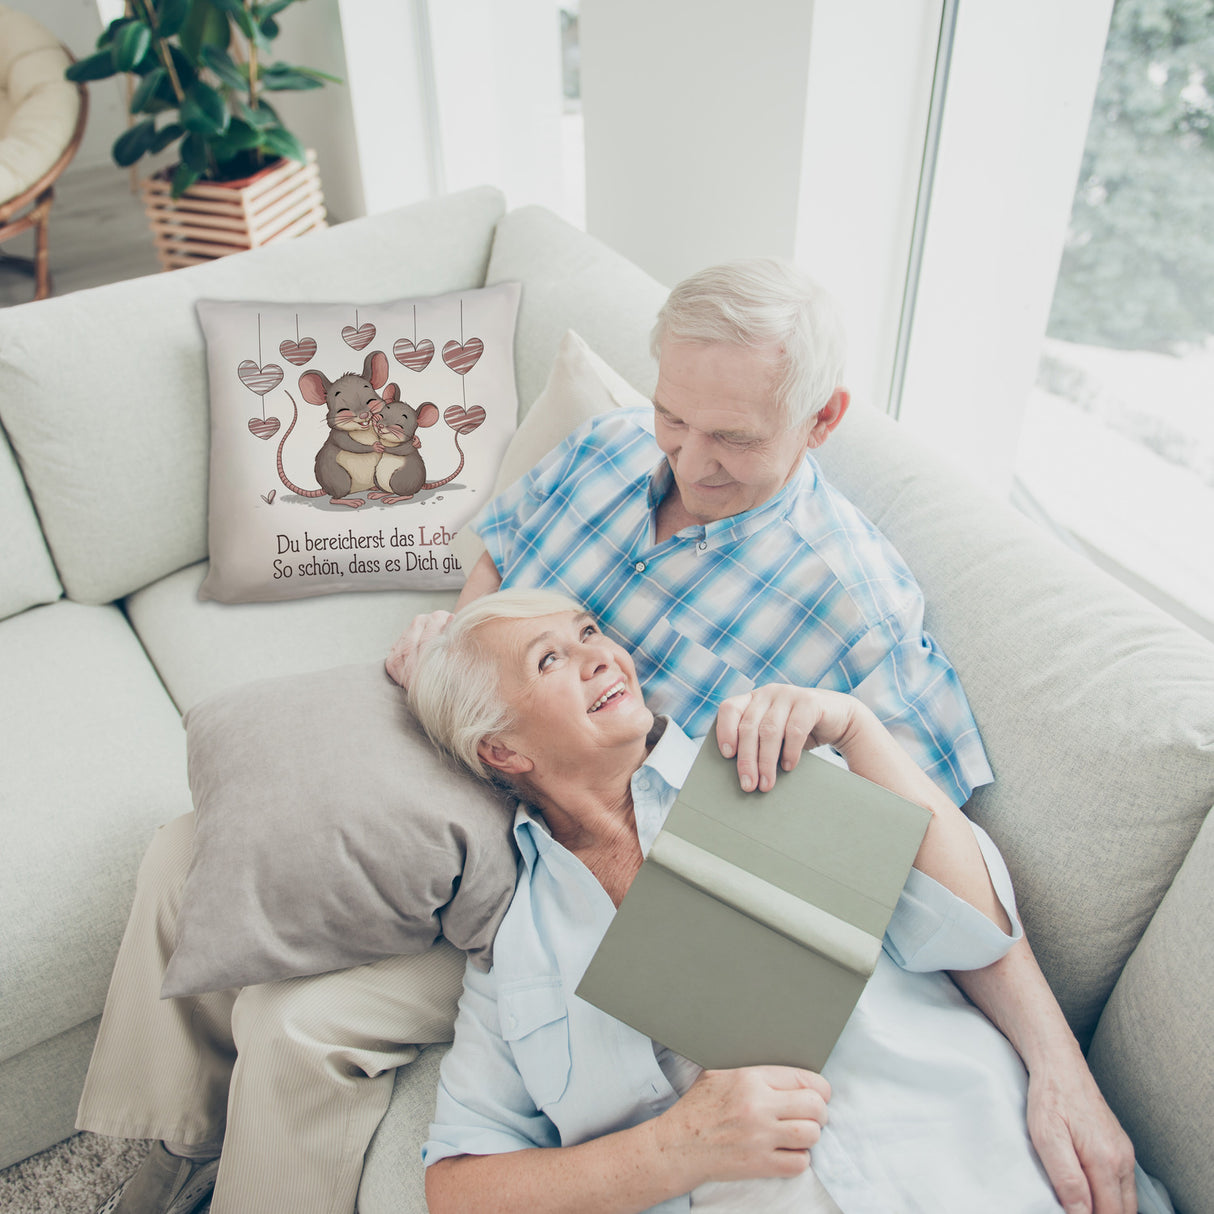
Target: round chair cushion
{"points": [[38, 106]]}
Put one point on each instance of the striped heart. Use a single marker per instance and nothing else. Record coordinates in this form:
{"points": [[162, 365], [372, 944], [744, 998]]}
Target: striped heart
{"points": [[264, 427], [298, 352], [259, 379], [463, 421], [415, 357], [360, 338], [461, 359]]}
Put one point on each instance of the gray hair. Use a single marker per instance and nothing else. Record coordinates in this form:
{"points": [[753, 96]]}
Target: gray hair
{"points": [[762, 303], [454, 691]]}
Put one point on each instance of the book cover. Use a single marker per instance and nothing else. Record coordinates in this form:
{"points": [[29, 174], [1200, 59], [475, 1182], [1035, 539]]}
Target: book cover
{"points": [[755, 921]]}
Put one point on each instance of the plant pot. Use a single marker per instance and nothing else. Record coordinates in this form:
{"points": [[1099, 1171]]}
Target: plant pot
{"points": [[215, 218]]}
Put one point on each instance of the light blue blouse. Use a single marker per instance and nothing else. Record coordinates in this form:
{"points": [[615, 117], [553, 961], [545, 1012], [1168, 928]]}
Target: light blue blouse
{"points": [[928, 1104]]}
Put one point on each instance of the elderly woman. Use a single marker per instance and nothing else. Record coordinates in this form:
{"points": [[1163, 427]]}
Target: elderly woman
{"points": [[547, 1103]]}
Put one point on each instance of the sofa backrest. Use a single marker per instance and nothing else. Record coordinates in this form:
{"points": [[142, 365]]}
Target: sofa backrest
{"points": [[104, 392], [1097, 712], [27, 574]]}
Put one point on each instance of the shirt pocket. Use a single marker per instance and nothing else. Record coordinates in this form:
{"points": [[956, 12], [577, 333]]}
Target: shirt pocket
{"points": [[682, 671], [535, 1024]]}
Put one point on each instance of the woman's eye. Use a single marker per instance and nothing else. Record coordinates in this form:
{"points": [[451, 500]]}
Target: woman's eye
{"points": [[589, 631], [547, 660]]}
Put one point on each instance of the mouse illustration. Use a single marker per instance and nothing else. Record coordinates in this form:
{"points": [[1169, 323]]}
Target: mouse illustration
{"points": [[401, 470], [346, 463]]}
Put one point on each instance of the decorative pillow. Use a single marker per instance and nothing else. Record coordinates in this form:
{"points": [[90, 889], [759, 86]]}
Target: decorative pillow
{"points": [[580, 386], [353, 467], [330, 833]]}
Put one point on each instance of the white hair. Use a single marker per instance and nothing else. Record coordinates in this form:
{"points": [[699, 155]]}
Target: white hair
{"points": [[454, 691], [763, 303]]}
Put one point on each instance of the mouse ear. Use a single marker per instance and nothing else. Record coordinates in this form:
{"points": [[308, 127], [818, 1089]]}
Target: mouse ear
{"points": [[391, 392], [375, 368], [315, 387], [427, 414]]}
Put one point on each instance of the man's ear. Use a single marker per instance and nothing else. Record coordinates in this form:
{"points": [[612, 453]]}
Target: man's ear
{"points": [[829, 416], [501, 758]]}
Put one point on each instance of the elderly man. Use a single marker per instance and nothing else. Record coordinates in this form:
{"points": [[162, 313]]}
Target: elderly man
{"points": [[705, 539]]}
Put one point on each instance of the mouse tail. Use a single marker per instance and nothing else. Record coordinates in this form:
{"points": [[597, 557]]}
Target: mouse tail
{"points": [[458, 468], [282, 473]]}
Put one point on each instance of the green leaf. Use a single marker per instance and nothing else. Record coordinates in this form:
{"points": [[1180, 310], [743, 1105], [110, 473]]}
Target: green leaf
{"points": [[225, 67], [132, 144], [240, 136], [205, 26], [95, 67], [279, 77], [268, 28], [144, 97], [261, 118], [203, 111], [186, 70], [317, 74], [131, 44], [281, 142], [183, 178], [271, 9], [107, 35], [171, 16], [166, 135], [195, 153]]}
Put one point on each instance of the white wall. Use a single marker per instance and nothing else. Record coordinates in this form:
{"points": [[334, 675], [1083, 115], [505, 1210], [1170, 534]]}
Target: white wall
{"points": [[694, 125]]}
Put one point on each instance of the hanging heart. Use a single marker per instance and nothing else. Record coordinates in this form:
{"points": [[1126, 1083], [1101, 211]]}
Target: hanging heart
{"points": [[259, 379], [463, 421], [360, 338], [298, 352], [264, 427], [268, 498], [461, 359], [415, 357]]}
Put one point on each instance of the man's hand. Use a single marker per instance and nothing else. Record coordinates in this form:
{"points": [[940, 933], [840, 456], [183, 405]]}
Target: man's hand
{"points": [[400, 661], [769, 727], [1087, 1155]]}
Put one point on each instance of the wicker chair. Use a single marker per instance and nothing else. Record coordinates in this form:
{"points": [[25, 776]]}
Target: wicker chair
{"points": [[42, 118]]}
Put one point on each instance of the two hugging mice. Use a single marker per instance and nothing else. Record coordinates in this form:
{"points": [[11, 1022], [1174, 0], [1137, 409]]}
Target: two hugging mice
{"points": [[372, 444]]}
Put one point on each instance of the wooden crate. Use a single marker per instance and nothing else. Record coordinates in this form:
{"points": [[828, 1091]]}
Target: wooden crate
{"points": [[215, 218]]}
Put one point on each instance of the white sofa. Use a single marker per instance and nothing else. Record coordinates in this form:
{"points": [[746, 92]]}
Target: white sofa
{"points": [[1097, 711]]}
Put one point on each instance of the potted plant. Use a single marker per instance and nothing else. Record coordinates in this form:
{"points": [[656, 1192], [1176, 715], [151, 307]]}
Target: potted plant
{"points": [[201, 71]]}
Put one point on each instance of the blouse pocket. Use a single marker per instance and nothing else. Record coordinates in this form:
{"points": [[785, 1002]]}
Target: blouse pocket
{"points": [[535, 1024]]}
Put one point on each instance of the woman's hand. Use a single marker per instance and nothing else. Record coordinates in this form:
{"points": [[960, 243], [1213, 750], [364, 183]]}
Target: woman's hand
{"points": [[770, 727], [401, 661], [750, 1122]]}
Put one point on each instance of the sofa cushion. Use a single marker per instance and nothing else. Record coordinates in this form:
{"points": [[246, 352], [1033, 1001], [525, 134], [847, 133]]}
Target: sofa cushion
{"points": [[568, 278], [27, 574], [93, 760], [200, 648], [120, 478], [580, 386], [1097, 711], [329, 832], [1152, 1054], [333, 497]]}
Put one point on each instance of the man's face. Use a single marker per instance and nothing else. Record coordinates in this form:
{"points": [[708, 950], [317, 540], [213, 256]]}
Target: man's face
{"points": [[716, 420]]}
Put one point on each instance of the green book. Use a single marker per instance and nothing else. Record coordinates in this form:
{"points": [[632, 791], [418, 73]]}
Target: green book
{"points": [[755, 921]]}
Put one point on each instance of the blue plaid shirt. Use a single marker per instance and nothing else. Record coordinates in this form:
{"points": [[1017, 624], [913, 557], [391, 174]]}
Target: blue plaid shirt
{"points": [[802, 589]]}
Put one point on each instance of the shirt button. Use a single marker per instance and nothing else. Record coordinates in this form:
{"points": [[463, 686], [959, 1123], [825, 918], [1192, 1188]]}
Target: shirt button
{"points": [[702, 545], [639, 566]]}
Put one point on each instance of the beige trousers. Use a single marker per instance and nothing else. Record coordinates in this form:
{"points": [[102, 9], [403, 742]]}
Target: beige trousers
{"points": [[293, 1076]]}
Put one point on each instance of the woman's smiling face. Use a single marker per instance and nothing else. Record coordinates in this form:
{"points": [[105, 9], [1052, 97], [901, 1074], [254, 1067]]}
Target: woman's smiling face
{"points": [[573, 692]]}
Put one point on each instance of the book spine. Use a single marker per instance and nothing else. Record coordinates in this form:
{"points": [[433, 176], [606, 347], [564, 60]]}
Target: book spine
{"points": [[802, 922]]}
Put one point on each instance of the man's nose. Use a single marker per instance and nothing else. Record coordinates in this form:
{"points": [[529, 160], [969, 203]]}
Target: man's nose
{"points": [[697, 457]]}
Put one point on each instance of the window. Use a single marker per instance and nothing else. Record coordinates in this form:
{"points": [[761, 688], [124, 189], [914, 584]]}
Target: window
{"points": [[1117, 443]]}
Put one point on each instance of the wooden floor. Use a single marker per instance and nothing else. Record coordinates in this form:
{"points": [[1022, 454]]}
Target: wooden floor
{"points": [[98, 234]]}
